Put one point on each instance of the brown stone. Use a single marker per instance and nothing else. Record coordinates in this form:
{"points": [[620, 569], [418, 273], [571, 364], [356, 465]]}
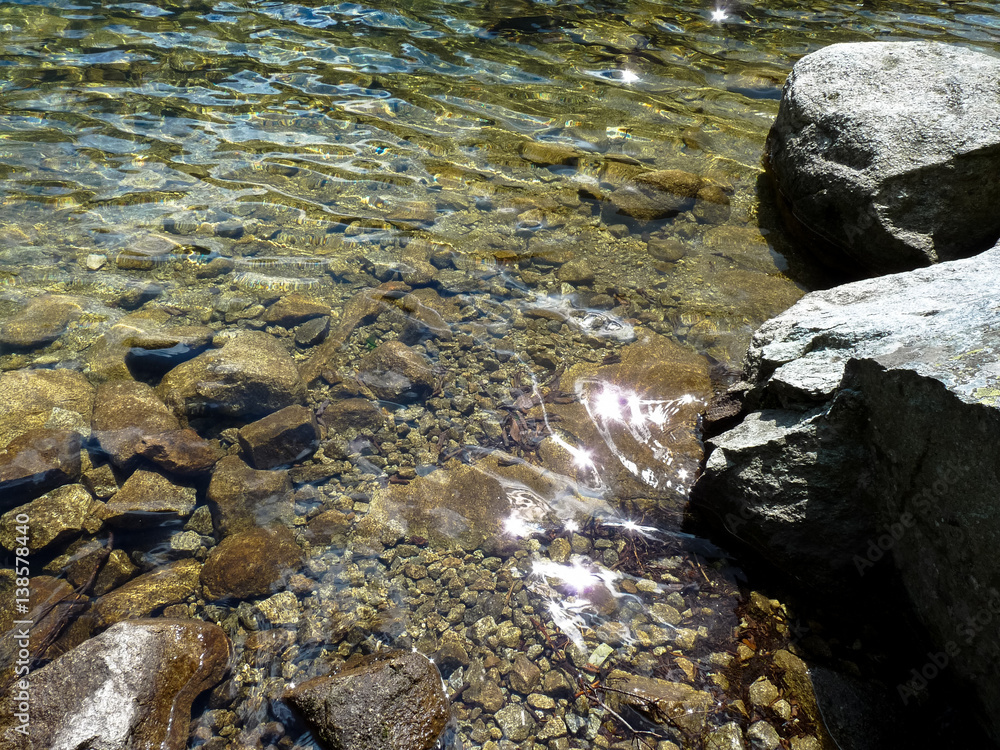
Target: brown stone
{"points": [[36, 462], [459, 506], [657, 195], [41, 322], [390, 701], [182, 452], [664, 702], [289, 435], [357, 413], [242, 498], [395, 372], [59, 399], [252, 374], [549, 154], [126, 411], [53, 518], [289, 311], [130, 687], [249, 564], [143, 596], [524, 675], [149, 499], [329, 527]]}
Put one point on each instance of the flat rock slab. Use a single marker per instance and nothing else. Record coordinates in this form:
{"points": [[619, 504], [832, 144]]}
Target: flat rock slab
{"points": [[391, 701], [241, 497], [250, 563], [890, 152], [126, 411], [130, 687]]}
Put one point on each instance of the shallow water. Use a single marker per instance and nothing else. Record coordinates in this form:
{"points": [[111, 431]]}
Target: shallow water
{"points": [[173, 170]]}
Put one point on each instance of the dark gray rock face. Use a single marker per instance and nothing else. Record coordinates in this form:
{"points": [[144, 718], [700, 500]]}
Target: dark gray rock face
{"points": [[391, 701], [890, 151], [288, 435], [130, 687], [874, 442]]}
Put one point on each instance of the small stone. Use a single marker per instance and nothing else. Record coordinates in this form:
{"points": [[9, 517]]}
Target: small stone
{"points": [[289, 311], [576, 272], [509, 634], [559, 550], [541, 702], [396, 372], [600, 655], [515, 722], [783, 708], [357, 413], [95, 261], [524, 676], [806, 743], [763, 692], [763, 736], [664, 614], [554, 727], [312, 332], [284, 437], [666, 250], [726, 737], [278, 611]]}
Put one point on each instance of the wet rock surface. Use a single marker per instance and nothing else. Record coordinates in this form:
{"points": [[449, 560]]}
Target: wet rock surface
{"points": [[60, 399], [132, 686], [250, 563], [183, 452], [41, 322], [242, 497], [125, 412], [391, 701], [889, 152], [395, 372], [284, 437], [875, 403], [37, 461], [149, 498], [251, 374]]}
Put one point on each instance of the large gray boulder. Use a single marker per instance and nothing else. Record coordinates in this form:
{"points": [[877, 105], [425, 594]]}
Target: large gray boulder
{"points": [[890, 152], [873, 443]]}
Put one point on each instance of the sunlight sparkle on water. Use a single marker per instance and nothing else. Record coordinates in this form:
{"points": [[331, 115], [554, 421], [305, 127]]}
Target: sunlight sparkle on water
{"points": [[629, 76], [518, 527], [719, 15]]}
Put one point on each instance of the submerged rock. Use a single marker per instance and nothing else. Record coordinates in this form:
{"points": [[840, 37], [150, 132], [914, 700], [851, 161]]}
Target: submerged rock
{"points": [[148, 499], [41, 322], [59, 399], [125, 412], [130, 687], [182, 452], [389, 701], [889, 152], [150, 592], [54, 517], [873, 432], [284, 437], [248, 564], [459, 506], [242, 498], [252, 374], [38, 461], [395, 372]]}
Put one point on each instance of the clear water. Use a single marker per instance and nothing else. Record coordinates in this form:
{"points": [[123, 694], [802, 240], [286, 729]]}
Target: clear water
{"points": [[247, 151]]}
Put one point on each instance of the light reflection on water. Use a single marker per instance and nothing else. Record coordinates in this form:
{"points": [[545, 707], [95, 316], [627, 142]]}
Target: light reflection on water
{"points": [[186, 164]]}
